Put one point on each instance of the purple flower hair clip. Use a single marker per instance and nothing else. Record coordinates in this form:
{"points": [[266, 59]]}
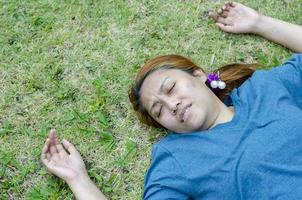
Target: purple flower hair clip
{"points": [[215, 82]]}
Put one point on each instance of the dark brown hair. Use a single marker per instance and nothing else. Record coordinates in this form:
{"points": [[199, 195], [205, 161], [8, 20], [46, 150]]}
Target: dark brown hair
{"points": [[232, 74]]}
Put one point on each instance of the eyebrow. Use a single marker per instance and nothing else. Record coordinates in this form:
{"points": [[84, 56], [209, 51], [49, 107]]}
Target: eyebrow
{"points": [[160, 91]]}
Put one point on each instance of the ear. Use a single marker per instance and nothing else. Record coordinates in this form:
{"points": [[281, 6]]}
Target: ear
{"points": [[199, 73]]}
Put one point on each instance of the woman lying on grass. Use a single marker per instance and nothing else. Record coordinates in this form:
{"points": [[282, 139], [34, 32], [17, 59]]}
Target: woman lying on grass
{"points": [[242, 127]]}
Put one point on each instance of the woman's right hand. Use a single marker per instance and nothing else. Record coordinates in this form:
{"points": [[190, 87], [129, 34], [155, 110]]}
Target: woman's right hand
{"points": [[63, 160]]}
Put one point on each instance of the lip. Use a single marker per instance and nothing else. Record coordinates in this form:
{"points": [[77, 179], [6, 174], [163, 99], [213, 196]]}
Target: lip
{"points": [[183, 112]]}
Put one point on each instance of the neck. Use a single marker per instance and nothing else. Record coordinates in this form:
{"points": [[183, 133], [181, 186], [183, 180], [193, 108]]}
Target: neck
{"points": [[225, 114]]}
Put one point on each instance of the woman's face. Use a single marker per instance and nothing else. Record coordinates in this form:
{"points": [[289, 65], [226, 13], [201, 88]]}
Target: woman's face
{"points": [[179, 101]]}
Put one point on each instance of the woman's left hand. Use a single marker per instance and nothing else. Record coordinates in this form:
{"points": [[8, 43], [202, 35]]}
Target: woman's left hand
{"points": [[236, 18]]}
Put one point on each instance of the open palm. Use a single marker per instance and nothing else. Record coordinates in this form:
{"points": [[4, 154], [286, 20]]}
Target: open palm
{"points": [[63, 160]]}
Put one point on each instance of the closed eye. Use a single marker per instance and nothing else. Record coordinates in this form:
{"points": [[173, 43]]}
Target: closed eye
{"points": [[159, 111], [170, 90]]}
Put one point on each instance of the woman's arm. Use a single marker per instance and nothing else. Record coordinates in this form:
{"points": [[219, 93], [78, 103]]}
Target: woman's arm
{"points": [[237, 18], [84, 188], [284, 33], [65, 161]]}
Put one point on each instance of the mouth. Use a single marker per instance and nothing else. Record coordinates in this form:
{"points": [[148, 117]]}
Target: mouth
{"points": [[183, 115]]}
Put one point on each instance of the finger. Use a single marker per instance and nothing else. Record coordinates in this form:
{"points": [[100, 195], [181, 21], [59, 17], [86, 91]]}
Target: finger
{"points": [[219, 11], [61, 150], [53, 136], [70, 148], [224, 14], [45, 150], [213, 15], [223, 20], [46, 146], [53, 150], [233, 4], [45, 161], [45, 158], [48, 156], [224, 27], [227, 6], [52, 133]]}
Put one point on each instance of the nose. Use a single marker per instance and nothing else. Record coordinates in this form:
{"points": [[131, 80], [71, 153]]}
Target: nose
{"points": [[173, 105]]}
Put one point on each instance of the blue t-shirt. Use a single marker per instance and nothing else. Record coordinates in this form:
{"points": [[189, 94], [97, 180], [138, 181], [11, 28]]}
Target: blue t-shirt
{"points": [[257, 155]]}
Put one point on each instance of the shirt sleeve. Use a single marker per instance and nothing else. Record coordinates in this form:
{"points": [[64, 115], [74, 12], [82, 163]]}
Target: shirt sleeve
{"points": [[290, 74], [164, 179]]}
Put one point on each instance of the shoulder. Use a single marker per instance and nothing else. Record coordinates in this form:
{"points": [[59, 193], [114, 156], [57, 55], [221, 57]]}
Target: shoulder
{"points": [[290, 71], [165, 175], [161, 149], [269, 85], [254, 85], [295, 60], [168, 155]]}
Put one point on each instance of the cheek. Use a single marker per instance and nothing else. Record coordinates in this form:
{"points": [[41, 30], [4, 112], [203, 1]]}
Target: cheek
{"points": [[183, 88], [188, 91], [188, 88], [168, 121]]}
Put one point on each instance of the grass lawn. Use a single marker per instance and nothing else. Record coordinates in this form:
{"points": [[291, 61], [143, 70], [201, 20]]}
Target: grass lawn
{"points": [[69, 64]]}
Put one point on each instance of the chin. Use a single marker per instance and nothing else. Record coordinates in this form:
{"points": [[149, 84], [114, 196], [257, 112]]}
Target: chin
{"points": [[197, 124]]}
